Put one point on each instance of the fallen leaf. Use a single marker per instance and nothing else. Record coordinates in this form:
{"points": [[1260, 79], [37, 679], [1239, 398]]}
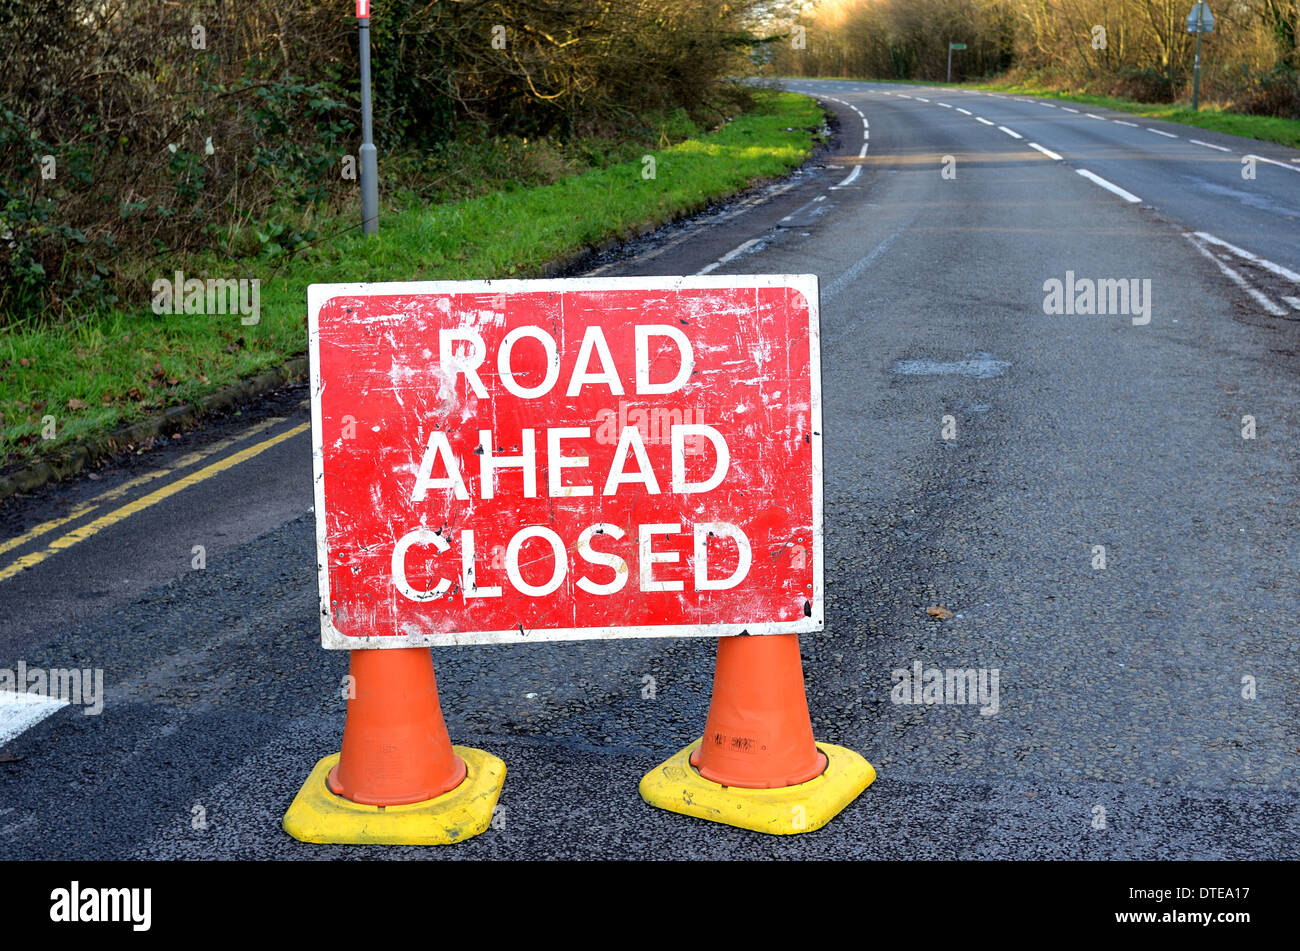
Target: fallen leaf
{"points": [[75, 404], [939, 611]]}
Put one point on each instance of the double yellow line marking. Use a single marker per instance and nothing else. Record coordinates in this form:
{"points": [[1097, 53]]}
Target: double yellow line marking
{"points": [[145, 501]]}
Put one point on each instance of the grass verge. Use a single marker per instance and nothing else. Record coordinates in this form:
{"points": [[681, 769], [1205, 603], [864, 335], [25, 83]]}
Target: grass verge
{"points": [[106, 370], [1263, 128]]}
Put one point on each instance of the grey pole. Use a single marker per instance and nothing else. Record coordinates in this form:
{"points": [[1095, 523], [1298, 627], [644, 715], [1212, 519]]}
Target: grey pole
{"points": [[950, 62], [1196, 67], [369, 155]]}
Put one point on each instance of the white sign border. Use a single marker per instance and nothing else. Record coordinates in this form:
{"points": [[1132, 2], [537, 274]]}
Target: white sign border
{"points": [[319, 294]]}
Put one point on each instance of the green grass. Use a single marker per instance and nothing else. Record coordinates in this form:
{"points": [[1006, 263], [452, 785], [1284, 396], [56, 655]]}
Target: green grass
{"points": [[1263, 128], [111, 369]]}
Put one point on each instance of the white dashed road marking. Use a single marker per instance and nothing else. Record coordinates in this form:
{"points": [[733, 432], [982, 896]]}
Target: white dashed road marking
{"points": [[729, 256], [1109, 186], [1048, 152]]}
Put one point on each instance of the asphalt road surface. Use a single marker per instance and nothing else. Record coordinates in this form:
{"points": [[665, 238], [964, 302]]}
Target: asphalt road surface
{"points": [[1145, 709]]}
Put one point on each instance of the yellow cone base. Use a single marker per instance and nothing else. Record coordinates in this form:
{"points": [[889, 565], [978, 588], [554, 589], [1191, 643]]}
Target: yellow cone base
{"points": [[317, 815], [677, 786]]}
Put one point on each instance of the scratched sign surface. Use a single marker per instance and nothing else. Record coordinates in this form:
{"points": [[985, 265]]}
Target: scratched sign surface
{"points": [[505, 461]]}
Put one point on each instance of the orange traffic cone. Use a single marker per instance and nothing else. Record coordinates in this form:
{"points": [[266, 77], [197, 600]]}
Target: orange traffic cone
{"points": [[758, 733], [398, 779], [395, 744], [757, 765]]}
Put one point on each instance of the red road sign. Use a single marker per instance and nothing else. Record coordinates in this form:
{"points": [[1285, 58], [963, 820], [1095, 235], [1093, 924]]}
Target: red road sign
{"points": [[504, 461], [363, 9]]}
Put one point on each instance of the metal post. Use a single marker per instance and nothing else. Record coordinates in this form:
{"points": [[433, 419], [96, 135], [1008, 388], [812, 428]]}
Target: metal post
{"points": [[1196, 67], [369, 155], [950, 62]]}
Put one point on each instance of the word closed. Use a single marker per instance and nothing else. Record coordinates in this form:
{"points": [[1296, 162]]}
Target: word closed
{"points": [[484, 472]]}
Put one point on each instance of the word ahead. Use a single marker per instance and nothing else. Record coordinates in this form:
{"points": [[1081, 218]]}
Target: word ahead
{"points": [[503, 461]]}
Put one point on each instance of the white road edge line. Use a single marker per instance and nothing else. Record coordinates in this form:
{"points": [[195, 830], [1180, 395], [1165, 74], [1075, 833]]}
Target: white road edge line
{"points": [[1266, 264], [1167, 135], [1210, 145], [1093, 115], [1109, 186], [1237, 279], [1068, 109], [982, 119], [22, 711], [857, 170], [1131, 125], [730, 255], [1293, 301], [1270, 161], [1010, 132], [965, 112], [1048, 152]]}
